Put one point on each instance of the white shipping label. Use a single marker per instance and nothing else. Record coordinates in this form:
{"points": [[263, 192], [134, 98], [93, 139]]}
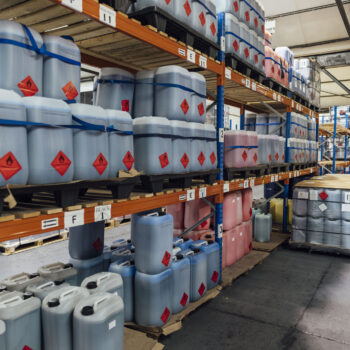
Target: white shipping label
{"points": [[191, 56], [103, 212], [313, 195], [49, 223], [108, 16], [191, 195], [74, 218], [226, 187], [220, 230], [203, 62], [347, 197], [112, 324], [323, 207], [221, 135], [228, 73], [202, 192], [303, 195], [233, 201], [345, 207], [76, 5]]}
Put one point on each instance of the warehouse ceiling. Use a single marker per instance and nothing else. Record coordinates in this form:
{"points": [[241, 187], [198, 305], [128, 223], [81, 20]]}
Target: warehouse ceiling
{"points": [[317, 28]]}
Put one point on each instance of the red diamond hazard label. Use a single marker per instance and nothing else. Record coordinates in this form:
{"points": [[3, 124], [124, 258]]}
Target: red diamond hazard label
{"points": [[125, 105], [164, 160], [235, 45], [246, 52], [213, 28], [256, 58], [235, 4], [185, 106], [256, 22], [201, 109], [128, 160], [255, 157], [244, 155], [61, 163], [263, 28], [247, 16], [184, 300], [165, 315], [166, 258], [201, 289], [323, 195], [100, 163], [277, 156], [28, 87], [167, 2], [70, 91], [97, 244], [201, 158], [9, 166], [213, 158], [185, 160], [215, 276], [202, 18], [26, 347], [187, 7]]}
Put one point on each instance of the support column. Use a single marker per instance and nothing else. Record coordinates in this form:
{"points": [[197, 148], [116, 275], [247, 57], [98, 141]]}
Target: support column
{"points": [[242, 117], [334, 137], [285, 206]]}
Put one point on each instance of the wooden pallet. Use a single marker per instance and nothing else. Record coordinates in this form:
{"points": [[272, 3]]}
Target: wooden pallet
{"points": [[276, 86], [276, 240], [244, 173], [135, 340], [320, 248], [175, 322], [35, 243], [242, 266]]}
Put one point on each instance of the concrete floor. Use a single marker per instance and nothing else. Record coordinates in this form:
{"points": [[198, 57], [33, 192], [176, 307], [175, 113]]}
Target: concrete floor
{"points": [[292, 301]]}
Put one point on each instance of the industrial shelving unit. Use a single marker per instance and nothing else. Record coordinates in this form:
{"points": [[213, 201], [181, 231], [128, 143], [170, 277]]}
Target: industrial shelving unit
{"points": [[109, 38]]}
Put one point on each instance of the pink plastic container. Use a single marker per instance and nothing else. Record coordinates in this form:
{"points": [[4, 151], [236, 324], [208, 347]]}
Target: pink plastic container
{"points": [[177, 211], [231, 246], [239, 236], [253, 158], [247, 204], [230, 217], [177, 232], [194, 212], [248, 236], [239, 207], [269, 62], [278, 68], [208, 236], [268, 39], [285, 75], [236, 157]]}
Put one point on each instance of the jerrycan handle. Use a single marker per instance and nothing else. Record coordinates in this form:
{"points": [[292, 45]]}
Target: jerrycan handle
{"points": [[46, 285], [100, 301], [153, 214], [16, 298], [66, 294], [191, 252], [102, 278], [202, 244], [21, 278], [125, 263]]}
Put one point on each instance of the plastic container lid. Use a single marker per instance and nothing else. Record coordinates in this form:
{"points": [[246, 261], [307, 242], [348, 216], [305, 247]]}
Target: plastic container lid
{"points": [[53, 303], [110, 72], [172, 69], [87, 311]]}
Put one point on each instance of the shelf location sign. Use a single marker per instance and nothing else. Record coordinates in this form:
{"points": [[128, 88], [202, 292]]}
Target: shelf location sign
{"points": [[74, 218], [103, 212], [76, 5], [108, 16]]}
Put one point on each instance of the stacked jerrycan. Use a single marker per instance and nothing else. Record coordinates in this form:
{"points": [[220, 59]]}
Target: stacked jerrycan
{"points": [[2, 335], [198, 147], [167, 6], [196, 211], [90, 146], [104, 282], [115, 89], [198, 99], [211, 147], [262, 227], [21, 315], [153, 145], [144, 91], [120, 142], [42, 289], [212, 22], [13, 159], [26, 75], [50, 150], [99, 314], [61, 72], [21, 281], [59, 271], [153, 239], [86, 244]]}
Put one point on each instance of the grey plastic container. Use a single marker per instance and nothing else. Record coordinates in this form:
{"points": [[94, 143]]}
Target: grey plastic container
{"points": [[153, 153], [126, 269], [180, 283], [254, 49], [198, 110], [50, 150], [144, 89], [211, 147], [211, 31], [86, 241], [90, 147], [21, 281], [345, 204], [19, 63], [250, 122], [261, 124], [228, 6], [183, 12], [262, 227], [313, 209], [299, 228], [300, 199], [104, 282], [199, 16], [315, 229], [61, 79], [2, 335], [171, 102], [59, 271], [232, 33], [333, 211], [115, 89], [274, 122], [21, 314], [125, 252], [332, 226], [332, 239], [167, 6], [153, 298], [198, 147], [199, 267], [42, 289], [154, 242], [57, 317], [87, 267], [98, 323], [12, 152], [121, 146]]}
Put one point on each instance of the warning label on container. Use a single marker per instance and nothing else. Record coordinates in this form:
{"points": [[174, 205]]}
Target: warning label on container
{"points": [[165, 315], [28, 87], [187, 7], [213, 28], [128, 160], [201, 109], [61, 163], [184, 299], [215, 276], [185, 106], [323, 207], [201, 158], [213, 158], [100, 163], [70, 91], [202, 18], [125, 105], [166, 258], [26, 347], [164, 160], [313, 195], [185, 160], [303, 195], [201, 289], [9, 166]]}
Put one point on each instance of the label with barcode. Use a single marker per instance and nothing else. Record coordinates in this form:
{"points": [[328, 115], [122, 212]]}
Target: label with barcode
{"points": [[247, 83], [246, 184]]}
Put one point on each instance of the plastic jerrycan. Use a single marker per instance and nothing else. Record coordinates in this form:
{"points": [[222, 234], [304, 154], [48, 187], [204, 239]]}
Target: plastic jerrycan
{"points": [[299, 228], [2, 335], [247, 204], [181, 146], [121, 145], [144, 91], [153, 298], [333, 199], [59, 271], [154, 242], [13, 155], [228, 6], [232, 35], [107, 282], [194, 212], [126, 269], [21, 69], [180, 283], [235, 151], [230, 219], [21, 281], [98, 322], [198, 110], [212, 22], [57, 317], [212, 250], [21, 314], [248, 243], [61, 76], [199, 267], [87, 267], [50, 150], [186, 244], [231, 246], [42, 289], [153, 145], [197, 147], [90, 146], [183, 12], [315, 230], [262, 227], [252, 152], [115, 89], [86, 241], [199, 23], [173, 93], [125, 252]]}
